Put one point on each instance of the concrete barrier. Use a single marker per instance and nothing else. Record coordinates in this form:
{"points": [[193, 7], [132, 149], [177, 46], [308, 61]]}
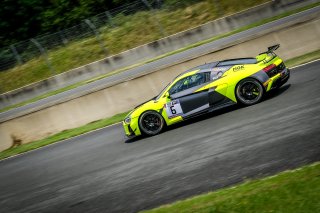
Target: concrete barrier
{"points": [[153, 49], [295, 40]]}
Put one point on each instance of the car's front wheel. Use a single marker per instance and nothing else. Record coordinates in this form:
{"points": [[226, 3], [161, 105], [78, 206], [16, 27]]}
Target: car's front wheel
{"points": [[249, 91], [151, 123]]}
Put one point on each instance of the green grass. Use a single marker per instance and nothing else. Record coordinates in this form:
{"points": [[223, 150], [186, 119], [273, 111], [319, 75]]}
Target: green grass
{"points": [[62, 135], [42, 96], [303, 59], [291, 191], [256, 24]]}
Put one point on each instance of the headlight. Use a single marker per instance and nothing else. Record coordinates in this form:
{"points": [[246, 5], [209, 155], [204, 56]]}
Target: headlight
{"points": [[127, 120]]}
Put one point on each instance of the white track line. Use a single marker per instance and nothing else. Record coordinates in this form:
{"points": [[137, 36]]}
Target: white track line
{"points": [[300, 65]]}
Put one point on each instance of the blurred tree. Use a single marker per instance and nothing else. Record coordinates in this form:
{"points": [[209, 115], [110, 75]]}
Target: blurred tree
{"points": [[20, 19]]}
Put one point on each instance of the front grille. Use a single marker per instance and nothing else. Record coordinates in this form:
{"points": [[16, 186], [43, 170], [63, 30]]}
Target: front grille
{"points": [[130, 130]]}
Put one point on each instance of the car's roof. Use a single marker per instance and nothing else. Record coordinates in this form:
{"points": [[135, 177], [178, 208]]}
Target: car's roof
{"points": [[201, 68], [237, 61]]}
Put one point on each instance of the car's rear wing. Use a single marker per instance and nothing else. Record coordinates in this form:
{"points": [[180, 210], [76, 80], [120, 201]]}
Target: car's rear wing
{"points": [[269, 52]]}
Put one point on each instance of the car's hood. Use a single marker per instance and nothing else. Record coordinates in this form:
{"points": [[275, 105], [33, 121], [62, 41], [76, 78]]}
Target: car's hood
{"points": [[151, 100], [148, 105]]}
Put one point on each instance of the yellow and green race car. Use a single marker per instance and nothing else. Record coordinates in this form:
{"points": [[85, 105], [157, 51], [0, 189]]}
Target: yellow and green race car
{"points": [[207, 88]]}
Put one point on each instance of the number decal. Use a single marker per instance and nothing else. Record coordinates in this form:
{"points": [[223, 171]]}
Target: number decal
{"points": [[173, 108]]}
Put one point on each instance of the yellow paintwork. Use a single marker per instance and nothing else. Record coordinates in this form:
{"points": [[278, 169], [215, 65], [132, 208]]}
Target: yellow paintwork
{"points": [[271, 81], [225, 85]]}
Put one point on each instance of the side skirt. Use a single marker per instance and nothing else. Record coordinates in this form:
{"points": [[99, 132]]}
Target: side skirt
{"points": [[211, 109]]}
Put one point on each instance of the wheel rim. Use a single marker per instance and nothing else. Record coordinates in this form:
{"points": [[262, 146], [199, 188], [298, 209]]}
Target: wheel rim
{"points": [[151, 123], [249, 92]]}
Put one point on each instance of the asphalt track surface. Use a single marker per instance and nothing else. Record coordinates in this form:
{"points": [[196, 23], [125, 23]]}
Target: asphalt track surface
{"points": [[146, 68], [100, 172]]}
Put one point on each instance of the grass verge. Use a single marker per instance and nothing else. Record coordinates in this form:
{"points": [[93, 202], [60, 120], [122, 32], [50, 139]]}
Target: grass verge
{"points": [[62, 135], [303, 59], [41, 97], [290, 191]]}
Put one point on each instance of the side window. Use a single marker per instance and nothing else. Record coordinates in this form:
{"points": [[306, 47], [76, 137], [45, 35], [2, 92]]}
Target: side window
{"points": [[189, 82], [217, 72], [216, 75]]}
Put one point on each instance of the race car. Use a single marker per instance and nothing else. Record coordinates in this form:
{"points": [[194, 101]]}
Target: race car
{"points": [[206, 88]]}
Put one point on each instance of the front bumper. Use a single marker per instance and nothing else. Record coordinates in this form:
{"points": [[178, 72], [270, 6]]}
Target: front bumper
{"points": [[128, 130], [131, 129]]}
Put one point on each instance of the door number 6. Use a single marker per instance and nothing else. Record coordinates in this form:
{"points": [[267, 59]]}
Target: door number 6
{"points": [[173, 108]]}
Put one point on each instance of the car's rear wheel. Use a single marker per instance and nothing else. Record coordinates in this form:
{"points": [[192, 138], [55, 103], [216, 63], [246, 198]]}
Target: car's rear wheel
{"points": [[249, 91], [151, 123]]}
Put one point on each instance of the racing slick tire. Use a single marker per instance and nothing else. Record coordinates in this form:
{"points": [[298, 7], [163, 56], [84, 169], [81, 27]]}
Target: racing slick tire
{"points": [[151, 123], [249, 91]]}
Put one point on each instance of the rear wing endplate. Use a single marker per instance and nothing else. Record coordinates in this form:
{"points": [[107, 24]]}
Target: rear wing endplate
{"points": [[271, 49]]}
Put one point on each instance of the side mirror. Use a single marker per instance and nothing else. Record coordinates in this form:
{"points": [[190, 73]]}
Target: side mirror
{"points": [[167, 95]]}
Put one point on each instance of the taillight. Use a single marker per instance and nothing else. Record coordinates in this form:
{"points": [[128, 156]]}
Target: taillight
{"points": [[268, 68]]}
